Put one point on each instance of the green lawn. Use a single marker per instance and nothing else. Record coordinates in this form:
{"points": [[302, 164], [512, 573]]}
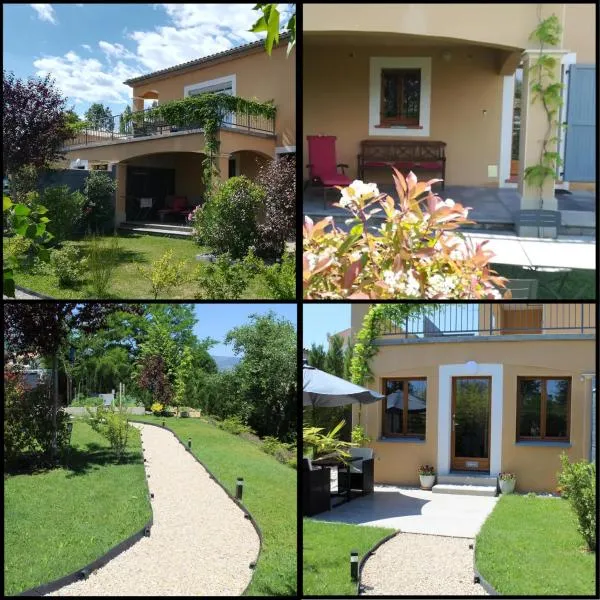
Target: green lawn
{"points": [[578, 284], [60, 520], [269, 494], [127, 282], [326, 555], [530, 546]]}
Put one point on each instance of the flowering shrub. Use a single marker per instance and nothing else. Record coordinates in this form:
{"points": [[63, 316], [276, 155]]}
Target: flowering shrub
{"points": [[157, 408], [426, 470], [413, 254]]}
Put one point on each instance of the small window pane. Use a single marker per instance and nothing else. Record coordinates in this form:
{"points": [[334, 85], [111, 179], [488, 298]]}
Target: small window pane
{"points": [[530, 409], [557, 392], [394, 403], [417, 392]]}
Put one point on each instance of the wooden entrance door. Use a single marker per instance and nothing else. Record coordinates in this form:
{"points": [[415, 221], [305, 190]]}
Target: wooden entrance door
{"points": [[471, 404]]}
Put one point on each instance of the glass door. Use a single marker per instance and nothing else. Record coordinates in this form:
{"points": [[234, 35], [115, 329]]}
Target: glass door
{"points": [[471, 398]]}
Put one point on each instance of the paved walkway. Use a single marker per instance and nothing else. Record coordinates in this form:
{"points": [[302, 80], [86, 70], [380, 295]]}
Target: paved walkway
{"points": [[413, 510], [200, 544]]}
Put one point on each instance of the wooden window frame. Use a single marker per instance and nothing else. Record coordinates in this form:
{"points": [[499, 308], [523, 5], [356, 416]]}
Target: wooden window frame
{"points": [[395, 121], [387, 434], [543, 410]]}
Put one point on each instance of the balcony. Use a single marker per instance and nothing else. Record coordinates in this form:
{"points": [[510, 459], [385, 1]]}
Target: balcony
{"points": [[450, 321], [144, 125]]}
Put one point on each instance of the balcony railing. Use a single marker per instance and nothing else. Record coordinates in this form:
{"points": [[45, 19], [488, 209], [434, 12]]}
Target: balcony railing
{"points": [[449, 320], [125, 127]]}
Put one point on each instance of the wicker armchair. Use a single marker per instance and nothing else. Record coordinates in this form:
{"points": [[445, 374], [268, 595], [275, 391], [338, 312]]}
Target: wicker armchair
{"points": [[316, 495], [362, 475]]}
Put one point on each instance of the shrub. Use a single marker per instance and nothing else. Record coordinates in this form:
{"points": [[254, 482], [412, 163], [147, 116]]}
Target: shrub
{"points": [[578, 486], [112, 425], [225, 279], [278, 180], [157, 408], [413, 254], [20, 247], [23, 181], [102, 261], [98, 209], [359, 436], [235, 425], [68, 265], [282, 452], [165, 274], [65, 211], [228, 220], [280, 278], [88, 401]]}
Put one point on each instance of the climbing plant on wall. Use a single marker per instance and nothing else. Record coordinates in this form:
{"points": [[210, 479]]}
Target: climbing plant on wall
{"points": [[546, 89], [207, 111]]}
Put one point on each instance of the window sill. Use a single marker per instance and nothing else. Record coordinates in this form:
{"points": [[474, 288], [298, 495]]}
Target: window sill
{"points": [[545, 443], [399, 126], [401, 440]]}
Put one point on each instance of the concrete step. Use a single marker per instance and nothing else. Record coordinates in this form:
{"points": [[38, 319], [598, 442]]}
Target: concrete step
{"points": [[467, 479], [156, 231], [470, 490], [173, 226]]}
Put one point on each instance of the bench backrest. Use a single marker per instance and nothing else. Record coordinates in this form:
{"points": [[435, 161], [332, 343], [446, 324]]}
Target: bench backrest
{"points": [[398, 150]]}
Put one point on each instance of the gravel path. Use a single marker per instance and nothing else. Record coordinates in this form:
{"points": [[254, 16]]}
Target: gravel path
{"points": [[200, 544], [422, 565]]}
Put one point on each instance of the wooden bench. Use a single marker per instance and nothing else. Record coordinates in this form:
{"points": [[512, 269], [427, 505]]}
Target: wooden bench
{"points": [[402, 154]]}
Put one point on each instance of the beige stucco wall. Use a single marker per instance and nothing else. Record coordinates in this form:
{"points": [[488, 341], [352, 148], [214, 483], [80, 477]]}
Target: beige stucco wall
{"points": [[579, 33], [258, 76], [336, 102], [535, 467]]}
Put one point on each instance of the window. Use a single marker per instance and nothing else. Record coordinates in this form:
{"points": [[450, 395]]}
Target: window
{"points": [[404, 407], [400, 96], [543, 408]]}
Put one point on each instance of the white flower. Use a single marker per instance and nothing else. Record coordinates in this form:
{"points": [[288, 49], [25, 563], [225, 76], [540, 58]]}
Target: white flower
{"points": [[359, 189], [413, 288], [441, 284]]}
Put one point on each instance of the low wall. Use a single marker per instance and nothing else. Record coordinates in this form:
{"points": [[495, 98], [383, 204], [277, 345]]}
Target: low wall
{"points": [[82, 411]]}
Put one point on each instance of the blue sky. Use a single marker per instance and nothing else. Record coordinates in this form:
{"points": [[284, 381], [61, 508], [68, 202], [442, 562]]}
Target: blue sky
{"points": [[216, 320], [90, 49], [318, 320]]}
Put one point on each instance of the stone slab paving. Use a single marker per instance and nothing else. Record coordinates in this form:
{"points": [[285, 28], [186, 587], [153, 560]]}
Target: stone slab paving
{"points": [[413, 510], [200, 544], [413, 564]]}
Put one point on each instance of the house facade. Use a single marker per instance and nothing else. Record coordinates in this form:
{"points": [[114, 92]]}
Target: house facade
{"points": [[161, 161], [483, 388], [447, 72]]}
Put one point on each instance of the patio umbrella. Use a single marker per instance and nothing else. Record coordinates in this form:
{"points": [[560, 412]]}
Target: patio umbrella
{"points": [[323, 389]]}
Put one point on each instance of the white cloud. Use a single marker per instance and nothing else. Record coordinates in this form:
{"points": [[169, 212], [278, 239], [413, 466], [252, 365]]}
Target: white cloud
{"points": [[45, 12], [115, 50], [87, 47]]}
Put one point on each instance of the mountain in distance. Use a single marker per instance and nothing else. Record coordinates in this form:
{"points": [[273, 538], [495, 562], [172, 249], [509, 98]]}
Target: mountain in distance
{"points": [[225, 363]]}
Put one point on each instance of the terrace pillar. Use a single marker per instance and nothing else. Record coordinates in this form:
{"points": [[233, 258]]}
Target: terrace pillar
{"points": [[120, 194], [138, 104], [222, 163], [534, 127]]}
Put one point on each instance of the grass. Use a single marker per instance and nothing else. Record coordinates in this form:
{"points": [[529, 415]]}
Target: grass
{"points": [[530, 546], [578, 284], [269, 494], [127, 282], [326, 555], [59, 520]]}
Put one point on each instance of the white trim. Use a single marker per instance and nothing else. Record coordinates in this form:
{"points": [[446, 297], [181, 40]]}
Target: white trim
{"points": [[566, 61], [377, 63], [446, 372], [284, 149], [506, 125], [210, 83]]}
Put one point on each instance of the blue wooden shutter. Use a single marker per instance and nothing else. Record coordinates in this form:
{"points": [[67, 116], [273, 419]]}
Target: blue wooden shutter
{"points": [[580, 140]]}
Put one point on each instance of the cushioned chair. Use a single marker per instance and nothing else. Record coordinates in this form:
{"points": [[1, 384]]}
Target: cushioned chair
{"points": [[179, 206], [361, 471], [316, 496]]}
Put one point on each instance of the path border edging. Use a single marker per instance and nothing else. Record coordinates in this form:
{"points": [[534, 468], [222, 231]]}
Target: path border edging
{"points": [[52, 586], [484, 583], [31, 293], [239, 504], [367, 555]]}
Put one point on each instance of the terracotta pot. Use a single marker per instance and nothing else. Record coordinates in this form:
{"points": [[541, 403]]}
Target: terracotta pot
{"points": [[427, 481]]}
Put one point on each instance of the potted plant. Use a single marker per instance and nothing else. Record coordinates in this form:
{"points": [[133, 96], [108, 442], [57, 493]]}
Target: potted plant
{"points": [[507, 482], [427, 476]]}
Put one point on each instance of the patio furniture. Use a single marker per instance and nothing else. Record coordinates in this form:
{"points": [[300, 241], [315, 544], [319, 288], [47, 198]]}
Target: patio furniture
{"points": [[402, 154], [360, 472], [175, 205], [523, 289], [316, 497], [145, 206], [539, 218], [322, 165]]}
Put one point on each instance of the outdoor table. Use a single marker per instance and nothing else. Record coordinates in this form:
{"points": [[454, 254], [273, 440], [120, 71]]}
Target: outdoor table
{"points": [[331, 461]]}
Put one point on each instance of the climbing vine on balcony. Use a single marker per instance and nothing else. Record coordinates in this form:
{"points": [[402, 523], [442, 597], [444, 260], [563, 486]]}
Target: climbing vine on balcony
{"points": [[545, 88], [207, 111]]}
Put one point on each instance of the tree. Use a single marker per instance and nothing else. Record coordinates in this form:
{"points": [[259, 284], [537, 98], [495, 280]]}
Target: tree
{"points": [[99, 117], [43, 329], [266, 374], [34, 125], [74, 122], [317, 356], [269, 22], [153, 379], [125, 119], [334, 361]]}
